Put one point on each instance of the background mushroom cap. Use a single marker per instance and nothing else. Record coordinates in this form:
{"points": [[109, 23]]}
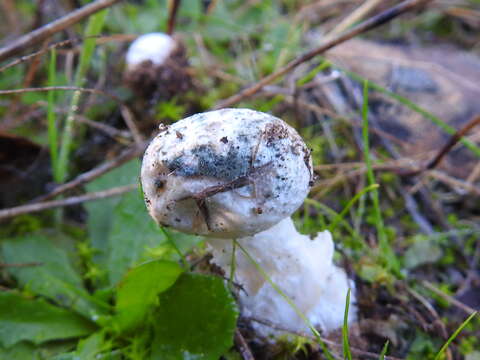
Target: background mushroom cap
{"points": [[229, 173], [154, 47]]}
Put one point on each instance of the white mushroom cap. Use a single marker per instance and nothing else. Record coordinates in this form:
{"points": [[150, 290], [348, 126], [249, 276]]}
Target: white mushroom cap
{"points": [[228, 173], [155, 47]]}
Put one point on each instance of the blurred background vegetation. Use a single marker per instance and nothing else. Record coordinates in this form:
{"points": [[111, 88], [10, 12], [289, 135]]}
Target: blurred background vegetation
{"points": [[412, 246]]}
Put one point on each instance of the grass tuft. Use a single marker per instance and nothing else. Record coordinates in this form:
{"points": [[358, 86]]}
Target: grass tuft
{"points": [[386, 252]]}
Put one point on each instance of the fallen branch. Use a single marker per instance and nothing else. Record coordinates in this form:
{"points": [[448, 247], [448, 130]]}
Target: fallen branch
{"points": [[454, 139], [48, 30], [27, 209], [354, 350], [367, 25], [450, 299], [125, 111], [94, 173]]}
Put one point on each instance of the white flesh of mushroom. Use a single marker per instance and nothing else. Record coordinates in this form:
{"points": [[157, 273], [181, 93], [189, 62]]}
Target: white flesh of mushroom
{"points": [[154, 47], [240, 174]]}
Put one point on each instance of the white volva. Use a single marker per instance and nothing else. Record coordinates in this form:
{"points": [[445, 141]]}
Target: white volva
{"points": [[240, 174], [300, 266]]}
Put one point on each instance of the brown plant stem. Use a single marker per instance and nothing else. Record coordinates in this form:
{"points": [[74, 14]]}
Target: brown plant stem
{"points": [[125, 111], [94, 173], [48, 30], [172, 15], [454, 139], [74, 200]]}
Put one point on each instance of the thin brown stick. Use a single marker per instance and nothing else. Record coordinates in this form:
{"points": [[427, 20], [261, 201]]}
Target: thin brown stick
{"points": [[74, 200], [356, 15], [126, 113], [48, 30], [172, 15], [433, 313], [21, 265], [467, 309], [354, 350], [94, 173], [242, 346], [101, 39], [65, 88], [454, 139], [453, 182], [367, 25], [129, 120]]}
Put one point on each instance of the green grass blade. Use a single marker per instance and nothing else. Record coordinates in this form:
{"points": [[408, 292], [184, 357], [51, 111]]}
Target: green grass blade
{"points": [[346, 346], [51, 117], [172, 242], [330, 213], [345, 210], [233, 264], [387, 253], [384, 351], [288, 300], [454, 335], [325, 64], [94, 27]]}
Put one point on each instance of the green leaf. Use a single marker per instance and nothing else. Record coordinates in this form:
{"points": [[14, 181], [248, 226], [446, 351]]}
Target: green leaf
{"points": [[53, 277], [20, 351], [37, 321], [139, 289], [133, 231], [423, 251], [196, 319], [87, 349], [100, 213]]}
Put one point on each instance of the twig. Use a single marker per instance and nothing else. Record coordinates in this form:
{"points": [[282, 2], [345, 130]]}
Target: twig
{"points": [[66, 88], [326, 341], [431, 310], [367, 25], [454, 139], [128, 117], [242, 346], [172, 15], [469, 310], [354, 17], [124, 136], [21, 265], [48, 30], [101, 39], [26, 209], [94, 173], [126, 113], [454, 182]]}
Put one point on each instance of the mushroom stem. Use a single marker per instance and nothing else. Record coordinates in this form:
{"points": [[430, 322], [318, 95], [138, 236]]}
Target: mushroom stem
{"points": [[301, 267]]}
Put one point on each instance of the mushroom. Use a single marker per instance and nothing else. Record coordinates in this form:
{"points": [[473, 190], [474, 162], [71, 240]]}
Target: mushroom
{"points": [[240, 174], [156, 66]]}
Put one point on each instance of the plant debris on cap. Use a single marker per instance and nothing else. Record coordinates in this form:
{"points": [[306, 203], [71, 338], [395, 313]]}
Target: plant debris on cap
{"points": [[229, 173]]}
